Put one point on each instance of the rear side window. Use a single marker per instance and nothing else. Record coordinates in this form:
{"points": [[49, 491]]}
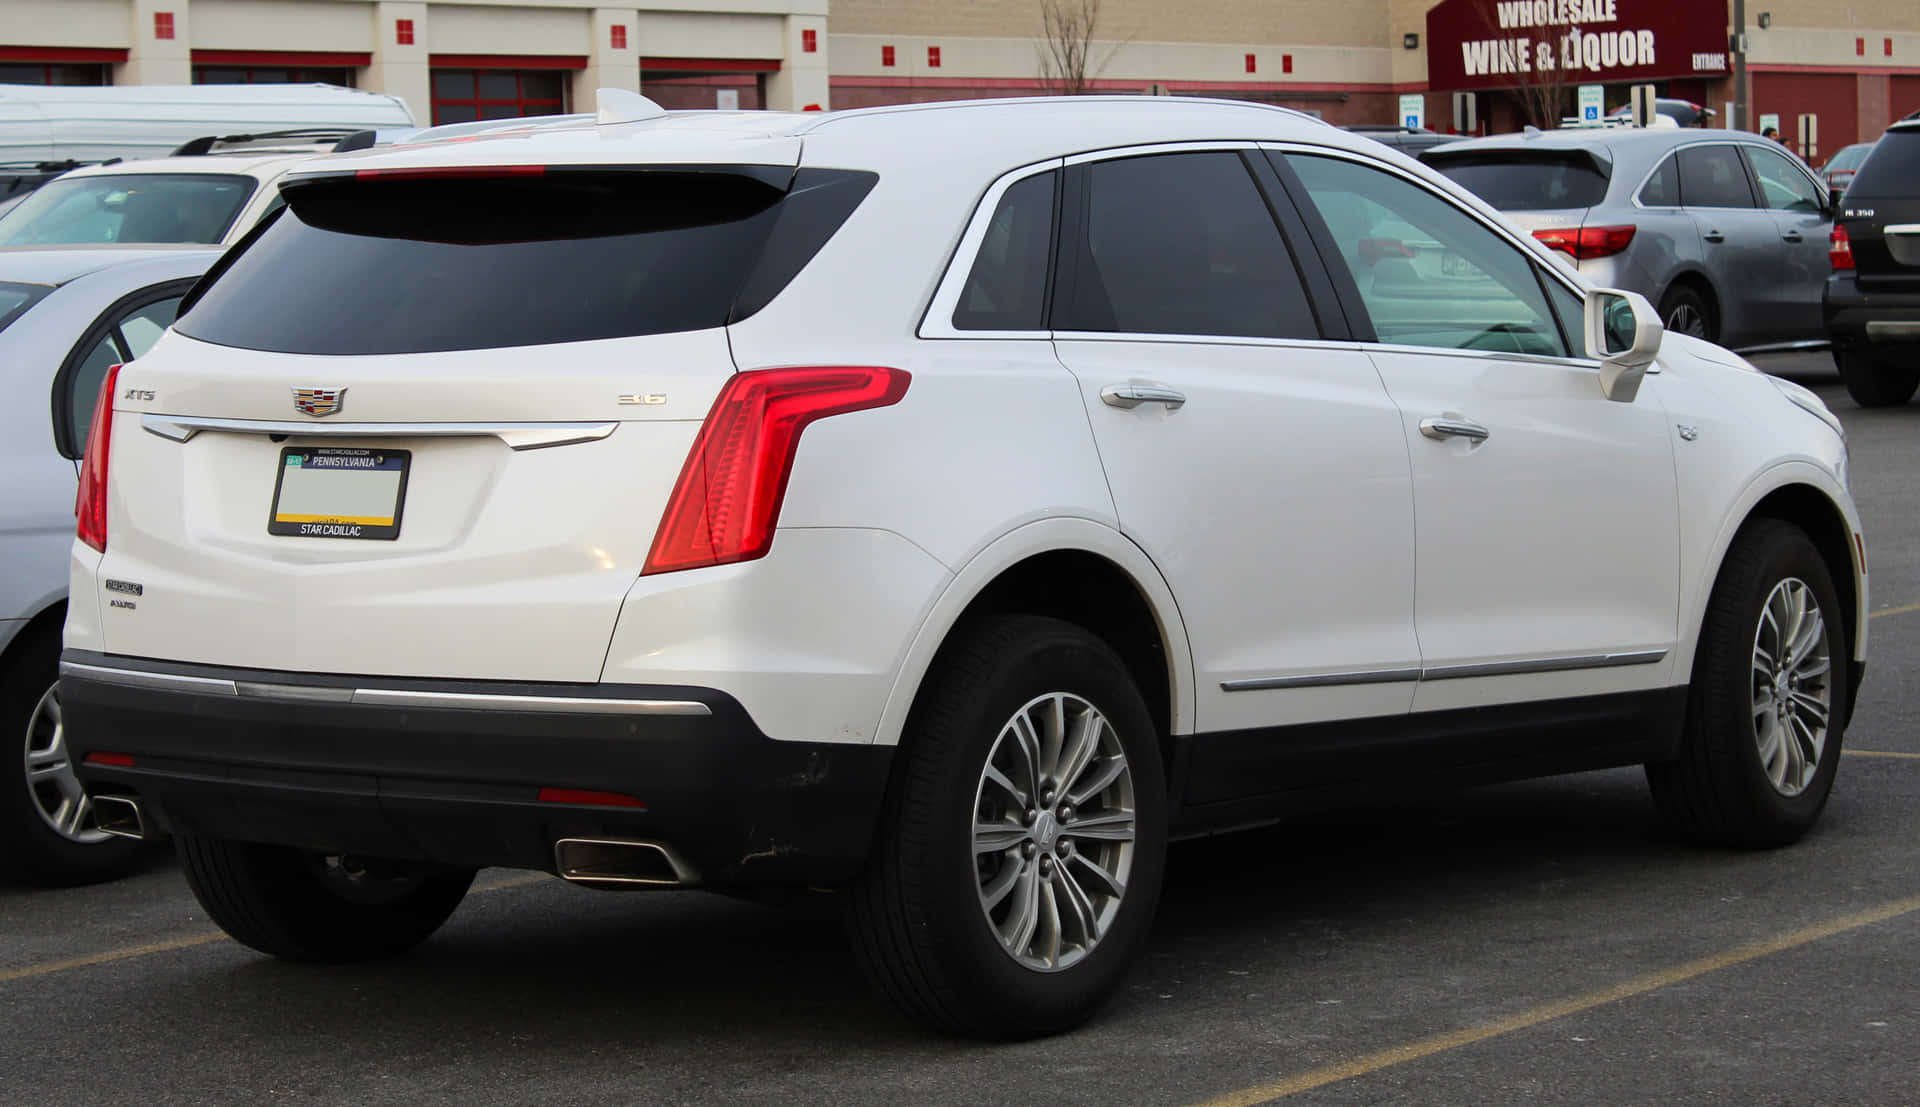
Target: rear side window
{"points": [[1183, 244], [412, 265], [1892, 167], [1007, 289], [1713, 177], [1535, 181], [1783, 187], [1662, 190], [16, 298], [131, 208]]}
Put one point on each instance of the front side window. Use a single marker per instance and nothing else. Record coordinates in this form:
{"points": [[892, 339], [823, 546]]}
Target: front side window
{"points": [[1007, 289], [1782, 186], [1712, 177], [127, 208], [1429, 273], [1183, 244]]}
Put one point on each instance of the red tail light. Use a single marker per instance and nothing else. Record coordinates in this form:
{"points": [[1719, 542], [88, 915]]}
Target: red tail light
{"points": [[727, 500], [90, 508], [592, 799], [117, 760], [1588, 242], [1839, 248]]}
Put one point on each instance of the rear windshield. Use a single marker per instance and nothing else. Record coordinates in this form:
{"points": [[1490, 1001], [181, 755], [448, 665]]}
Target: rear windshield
{"points": [[16, 298], [1892, 167], [392, 266], [131, 207], [1534, 181], [1848, 158]]}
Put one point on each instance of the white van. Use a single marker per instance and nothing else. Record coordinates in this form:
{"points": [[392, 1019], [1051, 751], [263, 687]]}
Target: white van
{"points": [[53, 123]]}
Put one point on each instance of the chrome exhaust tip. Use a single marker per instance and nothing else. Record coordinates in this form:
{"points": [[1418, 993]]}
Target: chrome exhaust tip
{"points": [[119, 816], [621, 863]]}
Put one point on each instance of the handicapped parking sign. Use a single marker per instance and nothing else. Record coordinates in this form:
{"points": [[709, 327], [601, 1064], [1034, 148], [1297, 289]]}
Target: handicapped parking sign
{"points": [[1413, 111], [1592, 103]]}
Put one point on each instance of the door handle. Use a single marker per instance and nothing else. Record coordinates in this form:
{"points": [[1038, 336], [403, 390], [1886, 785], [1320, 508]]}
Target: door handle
{"points": [[1714, 236], [1133, 395], [1440, 429], [1791, 236]]}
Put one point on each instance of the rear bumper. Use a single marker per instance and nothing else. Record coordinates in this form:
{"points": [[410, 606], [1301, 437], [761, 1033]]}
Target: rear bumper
{"points": [[1857, 318], [451, 771]]}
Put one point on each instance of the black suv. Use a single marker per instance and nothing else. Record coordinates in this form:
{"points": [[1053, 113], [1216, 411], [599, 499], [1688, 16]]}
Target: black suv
{"points": [[1873, 296]]}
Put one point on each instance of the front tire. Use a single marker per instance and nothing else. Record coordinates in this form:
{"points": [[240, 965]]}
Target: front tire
{"points": [[310, 907], [1767, 705], [1021, 852], [1872, 382], [47, 836]]}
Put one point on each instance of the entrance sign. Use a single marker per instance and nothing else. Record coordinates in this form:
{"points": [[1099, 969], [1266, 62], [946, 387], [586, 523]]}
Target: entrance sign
{"points": [[1509, 43]]}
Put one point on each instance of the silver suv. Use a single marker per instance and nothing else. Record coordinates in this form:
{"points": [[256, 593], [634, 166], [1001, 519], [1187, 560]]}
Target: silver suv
{"points": [[1725, 231]]}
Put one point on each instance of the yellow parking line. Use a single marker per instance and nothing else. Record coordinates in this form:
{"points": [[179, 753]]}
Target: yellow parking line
{"points": [[1901, 610], [199, 939], [1440, 1043], [1880, 753]]}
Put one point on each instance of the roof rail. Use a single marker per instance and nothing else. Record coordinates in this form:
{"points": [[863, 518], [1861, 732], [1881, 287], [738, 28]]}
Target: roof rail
{"points": [[313, 135]]}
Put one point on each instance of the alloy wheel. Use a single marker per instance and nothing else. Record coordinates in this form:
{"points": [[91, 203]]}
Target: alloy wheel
{"points": [[56, 792], [1792, 686], [1053, 834], [1686, 319]]}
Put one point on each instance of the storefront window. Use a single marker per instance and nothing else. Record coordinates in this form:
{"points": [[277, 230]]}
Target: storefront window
{"points": [[59, 74], [271, 75], [464, 95]]}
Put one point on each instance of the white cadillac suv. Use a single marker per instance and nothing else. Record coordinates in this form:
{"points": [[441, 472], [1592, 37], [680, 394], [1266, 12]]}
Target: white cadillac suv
{"points": [[944, 505]]}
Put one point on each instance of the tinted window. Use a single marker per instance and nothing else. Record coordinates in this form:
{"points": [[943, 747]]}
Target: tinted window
{"points": [[1662, 190], [1429, 273], [407, 266], [143, 327], [1849, 158], [1183, 244], [1571, 309], [135, 207], [1712, 177], [1783, 187], [1528, 182], [15, 299], [1892, 167], [1007, 290], [128, 337]]}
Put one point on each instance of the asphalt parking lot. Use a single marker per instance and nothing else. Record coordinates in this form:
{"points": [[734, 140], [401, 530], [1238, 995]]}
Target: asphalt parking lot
{"points": [[1540, 943]]}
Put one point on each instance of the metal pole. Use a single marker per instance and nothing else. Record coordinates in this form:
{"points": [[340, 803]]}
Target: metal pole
{"points": [[1739, 44]]}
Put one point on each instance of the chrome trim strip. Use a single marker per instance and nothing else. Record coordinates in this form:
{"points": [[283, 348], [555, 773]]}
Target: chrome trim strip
{"points": [[1449, 672], [384, 697], [479, 701], [1327, 680], [519, 436], [1900, 228], [131, 678], [1542, 665]]}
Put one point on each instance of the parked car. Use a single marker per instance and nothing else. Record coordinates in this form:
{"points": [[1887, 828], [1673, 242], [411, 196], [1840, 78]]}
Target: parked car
{"points": [[1723, 230], [93, 123], [945, 505], [211, 192], [1873, 298], [1684, 113], [1408, 140], [1839, 170], [65, 316]]}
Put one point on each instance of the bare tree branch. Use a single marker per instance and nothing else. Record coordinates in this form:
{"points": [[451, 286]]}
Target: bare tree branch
{"points": [[1066, 46]]}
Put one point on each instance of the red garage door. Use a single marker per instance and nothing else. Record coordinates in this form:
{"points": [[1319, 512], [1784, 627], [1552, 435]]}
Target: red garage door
{"points": [[1833, 97], [1905, 96]]}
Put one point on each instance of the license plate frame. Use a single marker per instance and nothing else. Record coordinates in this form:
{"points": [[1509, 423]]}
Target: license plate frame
{"points": [[318, 512]]}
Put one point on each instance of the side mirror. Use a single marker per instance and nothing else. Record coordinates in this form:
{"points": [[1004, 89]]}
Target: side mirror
{"points": [[1624, 332]]}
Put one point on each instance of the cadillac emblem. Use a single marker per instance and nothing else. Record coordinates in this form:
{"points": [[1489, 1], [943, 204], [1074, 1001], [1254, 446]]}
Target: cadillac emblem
{"points": [[318, 401]]}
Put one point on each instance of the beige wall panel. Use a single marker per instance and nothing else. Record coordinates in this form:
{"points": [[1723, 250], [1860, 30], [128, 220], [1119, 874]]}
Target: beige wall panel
{"points": [[1142, 62], [281, 25], [691, 35], [751, 7], [1248, 22], [1831, 46], [1855, 15], [474, 29], [64, 22]]}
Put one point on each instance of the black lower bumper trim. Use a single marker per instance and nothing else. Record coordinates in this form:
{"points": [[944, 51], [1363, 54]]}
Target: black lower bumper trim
{"points": [[461, 784]]}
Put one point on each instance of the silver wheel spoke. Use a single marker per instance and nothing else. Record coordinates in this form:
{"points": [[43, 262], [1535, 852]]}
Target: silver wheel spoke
{"points": [[1813, 706], [997, 837], [1770, 751], [1109, 770], [1079, 908], [1106, 828], [1050, 915], [1111, 886], [995, 890], [1083, 741], [1007, 785], [1024, 918], [1027, 743]]}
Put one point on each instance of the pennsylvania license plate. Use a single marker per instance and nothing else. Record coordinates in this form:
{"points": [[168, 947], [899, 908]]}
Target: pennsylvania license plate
{"points": [[333, 492]]}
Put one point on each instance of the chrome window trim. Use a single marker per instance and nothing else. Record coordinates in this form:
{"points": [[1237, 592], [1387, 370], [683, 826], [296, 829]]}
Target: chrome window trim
{"points": [[382, 697], [1206, 340], [518, 436], [1516, 667], [1529, 246], [937, 322]]}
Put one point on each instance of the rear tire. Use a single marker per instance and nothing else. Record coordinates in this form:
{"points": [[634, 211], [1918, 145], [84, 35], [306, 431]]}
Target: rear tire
{"points": [[956, 920], [1686, 311], [47, 836], [308, 907], [1872, 382], [1766, 709]]}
